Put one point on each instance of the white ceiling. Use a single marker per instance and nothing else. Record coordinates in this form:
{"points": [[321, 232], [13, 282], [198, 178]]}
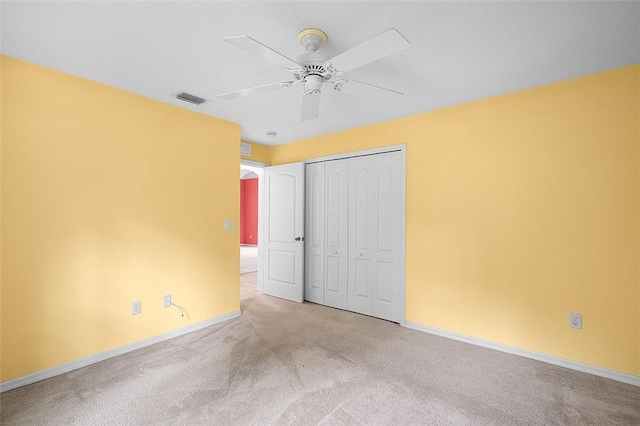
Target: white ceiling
{"points": [[460, 51]]}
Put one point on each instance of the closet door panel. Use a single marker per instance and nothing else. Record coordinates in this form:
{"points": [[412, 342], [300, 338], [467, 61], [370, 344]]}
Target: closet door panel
{"points": [[384, 224], [362, 238], [314, 233], [384, 290], [313, 292], [336, 220], [388, 291]]}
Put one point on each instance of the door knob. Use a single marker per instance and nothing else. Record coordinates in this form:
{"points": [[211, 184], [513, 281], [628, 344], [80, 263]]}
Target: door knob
{"points": [[298, 238]]}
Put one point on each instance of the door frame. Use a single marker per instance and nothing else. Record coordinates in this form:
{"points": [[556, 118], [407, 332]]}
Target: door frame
{"points": [[403, 208]]}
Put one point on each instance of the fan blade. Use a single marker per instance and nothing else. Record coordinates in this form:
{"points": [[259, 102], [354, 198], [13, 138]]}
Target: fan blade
{"points": [[265, 52], [310, 106], [254, 90], [380, 46], [363, 90]]}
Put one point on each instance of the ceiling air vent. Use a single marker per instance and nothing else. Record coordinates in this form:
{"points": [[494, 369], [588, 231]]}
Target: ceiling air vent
{"points": [[190, 98]]}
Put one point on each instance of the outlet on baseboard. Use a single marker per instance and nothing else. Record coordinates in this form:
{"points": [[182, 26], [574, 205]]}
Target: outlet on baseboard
{"points": [[575, 320], [136, 307], [166, 301]]}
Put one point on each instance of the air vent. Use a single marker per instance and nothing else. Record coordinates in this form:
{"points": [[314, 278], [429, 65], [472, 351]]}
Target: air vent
{"points": [[190, 98]]}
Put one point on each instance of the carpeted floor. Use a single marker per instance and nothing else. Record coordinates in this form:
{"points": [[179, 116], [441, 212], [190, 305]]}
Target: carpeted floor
{"points": [[248, 259], [289, 363]]}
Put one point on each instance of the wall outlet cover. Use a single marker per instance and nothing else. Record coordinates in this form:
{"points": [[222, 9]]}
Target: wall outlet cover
{"points": [[166, 301], [575, 320], [136, 307]]}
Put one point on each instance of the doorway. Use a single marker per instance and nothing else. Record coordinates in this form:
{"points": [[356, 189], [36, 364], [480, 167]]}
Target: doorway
{"points": [[250, 183]]}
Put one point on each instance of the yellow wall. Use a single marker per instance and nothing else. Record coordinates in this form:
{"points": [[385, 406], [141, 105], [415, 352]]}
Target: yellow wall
{"points": [[520, 209], [259, 153], [108, 197]]}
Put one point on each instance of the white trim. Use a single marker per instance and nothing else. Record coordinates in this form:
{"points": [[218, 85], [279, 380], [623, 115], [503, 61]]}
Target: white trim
{"points": [[549, 359], [252, 163], [260, 267], [403, 236], [83, 362], [372, 151]]}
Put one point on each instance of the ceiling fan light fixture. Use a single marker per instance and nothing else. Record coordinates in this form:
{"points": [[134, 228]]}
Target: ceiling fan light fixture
{"points": [[312, 39], [312, 84]]}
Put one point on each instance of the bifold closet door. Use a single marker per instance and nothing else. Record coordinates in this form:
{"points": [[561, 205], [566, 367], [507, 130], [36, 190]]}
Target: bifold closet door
{"points": [[336, 186], [362, 220], [327, 185], [354, 234], [314, 233], [375, 225]]}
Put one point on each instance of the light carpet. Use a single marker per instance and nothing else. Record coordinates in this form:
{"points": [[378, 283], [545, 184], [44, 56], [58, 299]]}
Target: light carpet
{"points": [[248, 259], [289, 363]]}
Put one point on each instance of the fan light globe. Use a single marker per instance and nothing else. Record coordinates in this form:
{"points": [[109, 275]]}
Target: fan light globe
{"points": [[312, 39]]}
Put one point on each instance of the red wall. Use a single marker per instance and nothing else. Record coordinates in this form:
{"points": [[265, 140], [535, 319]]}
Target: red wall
{"points": [[249, 211]]}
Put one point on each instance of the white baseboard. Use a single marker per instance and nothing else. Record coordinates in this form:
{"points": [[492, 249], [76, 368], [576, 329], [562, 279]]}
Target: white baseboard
{"points": [[83, 362], [573, 365]]}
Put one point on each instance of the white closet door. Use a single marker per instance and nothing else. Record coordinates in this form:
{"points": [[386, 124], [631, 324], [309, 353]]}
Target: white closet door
{"points": [[362, 238], [355, 231], [388, 291], [315, 233], [336, 235]]}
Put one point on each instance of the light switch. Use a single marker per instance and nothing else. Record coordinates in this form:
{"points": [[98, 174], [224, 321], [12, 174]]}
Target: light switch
{"points": [[227, 224]]}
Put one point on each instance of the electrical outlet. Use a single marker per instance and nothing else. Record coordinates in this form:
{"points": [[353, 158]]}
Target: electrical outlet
{"points": [[575, 320], [166, 301], [135, 307]]}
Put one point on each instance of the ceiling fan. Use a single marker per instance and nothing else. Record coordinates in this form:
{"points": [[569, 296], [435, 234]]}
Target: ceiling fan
{"points": [[314, 69]]}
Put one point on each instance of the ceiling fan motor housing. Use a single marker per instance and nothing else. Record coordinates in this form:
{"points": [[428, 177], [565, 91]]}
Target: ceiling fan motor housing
{"points": [[313, 71]]}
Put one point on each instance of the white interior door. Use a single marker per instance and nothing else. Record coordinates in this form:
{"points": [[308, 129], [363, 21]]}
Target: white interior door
{"points": [[283, 231], [336, 235], [314, 233]]}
